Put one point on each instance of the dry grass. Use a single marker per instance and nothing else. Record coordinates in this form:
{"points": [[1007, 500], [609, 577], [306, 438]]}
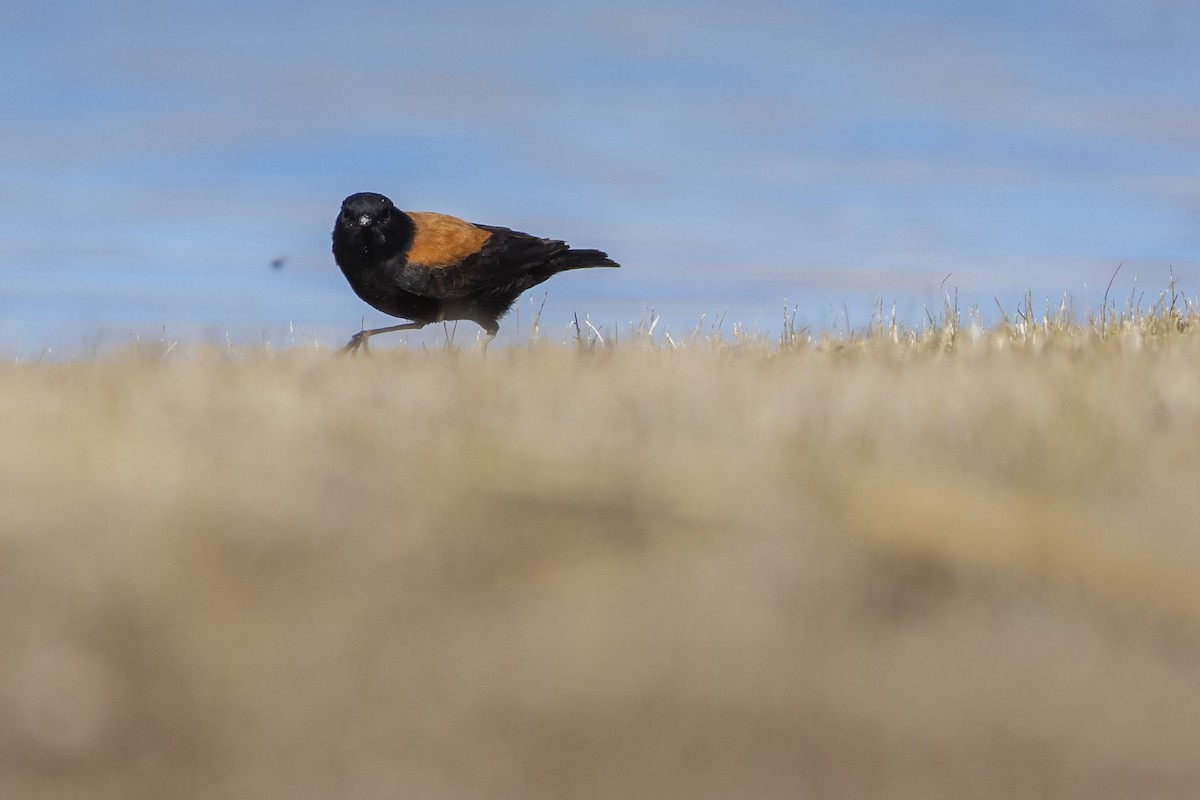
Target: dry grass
{"points": [[947, 562]]}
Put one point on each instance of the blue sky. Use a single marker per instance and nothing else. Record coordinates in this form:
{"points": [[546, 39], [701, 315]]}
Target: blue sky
{"points": [[158, 156]]}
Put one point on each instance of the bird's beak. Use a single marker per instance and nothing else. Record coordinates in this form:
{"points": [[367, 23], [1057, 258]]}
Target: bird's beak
{"points": [[364, 220]]}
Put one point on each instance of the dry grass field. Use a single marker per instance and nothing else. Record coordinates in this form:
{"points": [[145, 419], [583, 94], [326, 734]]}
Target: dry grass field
{"points": [[951, 562]]}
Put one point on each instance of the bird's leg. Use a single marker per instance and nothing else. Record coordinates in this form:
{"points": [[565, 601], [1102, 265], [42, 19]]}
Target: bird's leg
{"points": [[359, 340], [490, 328]]}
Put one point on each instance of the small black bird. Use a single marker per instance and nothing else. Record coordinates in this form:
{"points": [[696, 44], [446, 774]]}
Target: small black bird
{"points": [[429, 267]]}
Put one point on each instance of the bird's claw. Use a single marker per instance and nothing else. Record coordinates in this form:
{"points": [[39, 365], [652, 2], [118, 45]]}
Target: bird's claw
{"points": [[357, 342]]}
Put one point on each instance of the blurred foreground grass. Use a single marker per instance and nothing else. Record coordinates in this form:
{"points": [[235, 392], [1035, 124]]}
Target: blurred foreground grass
{"points": [[945, 563]]}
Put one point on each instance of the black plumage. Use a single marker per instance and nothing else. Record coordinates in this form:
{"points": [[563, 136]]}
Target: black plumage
{"points": [[428, 267]]}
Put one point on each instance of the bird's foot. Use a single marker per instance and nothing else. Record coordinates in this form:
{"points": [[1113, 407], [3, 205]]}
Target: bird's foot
{"points": [[358, 342]]}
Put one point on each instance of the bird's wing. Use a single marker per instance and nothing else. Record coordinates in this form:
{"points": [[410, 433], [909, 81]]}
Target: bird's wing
{"points": [[508, 251]]}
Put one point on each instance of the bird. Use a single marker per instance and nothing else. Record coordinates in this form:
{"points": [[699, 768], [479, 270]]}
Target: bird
{"points": [[429, 267]]}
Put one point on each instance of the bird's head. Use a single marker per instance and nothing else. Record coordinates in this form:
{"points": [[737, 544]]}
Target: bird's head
{"points": [[366, 209], [370, 224]]}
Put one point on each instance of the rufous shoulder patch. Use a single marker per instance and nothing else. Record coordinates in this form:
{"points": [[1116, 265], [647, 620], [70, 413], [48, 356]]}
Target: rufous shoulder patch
{"points": [[441, 241]]}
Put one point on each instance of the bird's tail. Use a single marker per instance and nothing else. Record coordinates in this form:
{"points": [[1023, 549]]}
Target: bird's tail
{"points": [[582, 259]]}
